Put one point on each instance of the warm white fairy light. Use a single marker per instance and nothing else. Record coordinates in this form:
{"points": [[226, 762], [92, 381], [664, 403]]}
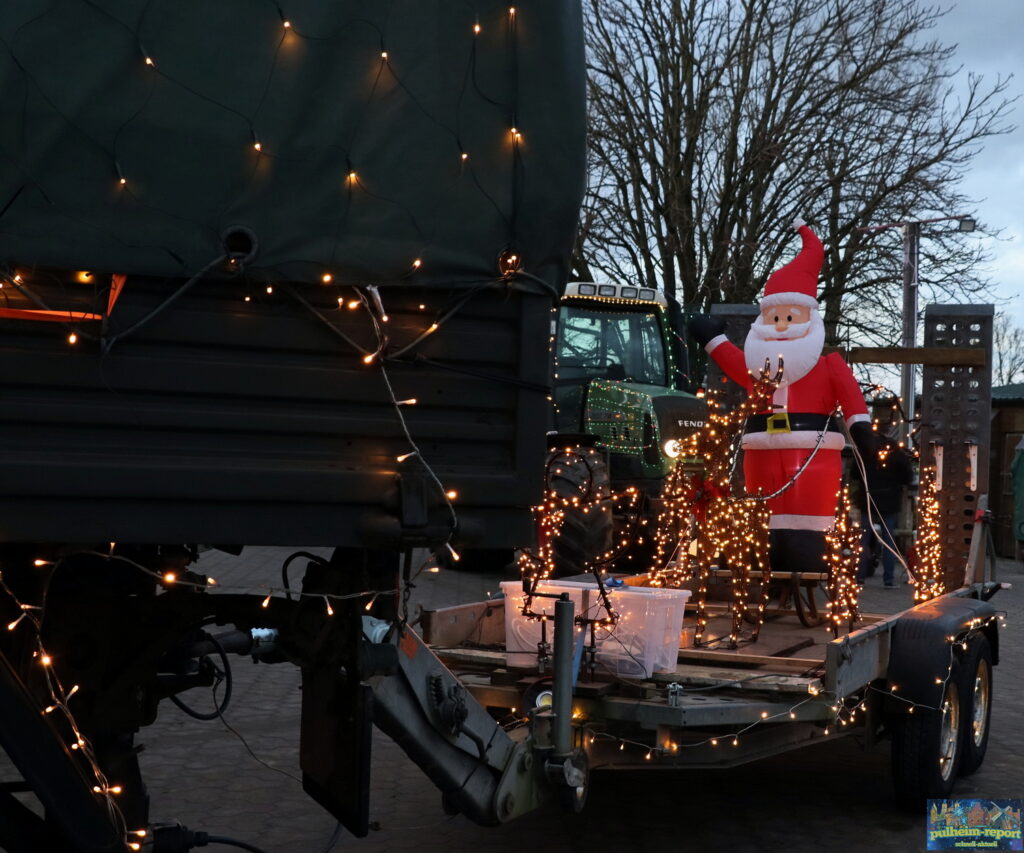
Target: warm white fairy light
{"points": [[928, 575], [730, 531]]}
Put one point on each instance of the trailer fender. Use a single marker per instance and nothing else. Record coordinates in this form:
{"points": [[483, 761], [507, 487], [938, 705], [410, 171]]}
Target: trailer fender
{"points": [[921, 654]]}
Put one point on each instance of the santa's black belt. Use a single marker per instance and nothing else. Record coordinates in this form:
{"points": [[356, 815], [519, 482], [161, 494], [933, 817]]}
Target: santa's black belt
{"points": [[793, 422]]}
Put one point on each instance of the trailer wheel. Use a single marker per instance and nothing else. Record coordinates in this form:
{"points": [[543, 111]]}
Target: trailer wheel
{"points": [[926, 750], [580, 473], [976, 690]]}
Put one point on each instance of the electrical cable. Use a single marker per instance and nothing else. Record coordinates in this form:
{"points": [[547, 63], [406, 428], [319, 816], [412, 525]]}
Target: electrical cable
{"points": [[288, 562], [232, 842], [227, 680], [108, 344], [333, 840]]}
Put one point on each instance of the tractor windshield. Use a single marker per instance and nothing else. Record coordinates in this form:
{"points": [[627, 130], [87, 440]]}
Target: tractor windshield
{"points": [[598, 343]]}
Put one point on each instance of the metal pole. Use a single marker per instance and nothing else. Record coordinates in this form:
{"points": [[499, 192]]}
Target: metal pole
{"points": [[565, 613], [911, 253]]}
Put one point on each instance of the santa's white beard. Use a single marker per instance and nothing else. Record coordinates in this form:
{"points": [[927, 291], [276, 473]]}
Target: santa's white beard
{"points": [[799, 352]]}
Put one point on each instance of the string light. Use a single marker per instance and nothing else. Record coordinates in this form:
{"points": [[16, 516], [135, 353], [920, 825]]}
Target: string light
{"points": [[72, 338], [326, 278], [928, 576], [698, 507]]}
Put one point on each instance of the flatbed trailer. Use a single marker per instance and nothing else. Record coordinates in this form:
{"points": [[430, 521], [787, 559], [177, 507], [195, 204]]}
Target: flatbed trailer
{"points": [[920, 677]]}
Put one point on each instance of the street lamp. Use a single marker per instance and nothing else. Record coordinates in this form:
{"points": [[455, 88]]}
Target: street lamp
{"points": [[911, 254]]}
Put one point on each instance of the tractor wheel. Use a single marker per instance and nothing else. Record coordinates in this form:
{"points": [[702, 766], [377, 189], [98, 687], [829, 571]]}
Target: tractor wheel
{"points": [[976, 692], [926, 750], [580, 474]]}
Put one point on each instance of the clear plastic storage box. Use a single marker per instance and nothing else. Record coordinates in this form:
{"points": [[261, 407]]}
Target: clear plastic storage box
{"points": [[645, 639]]}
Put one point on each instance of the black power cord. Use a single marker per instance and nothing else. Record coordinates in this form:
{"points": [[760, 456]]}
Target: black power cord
{"points": [[230, 842], [175, 838], [288, 562], [219, 708]]}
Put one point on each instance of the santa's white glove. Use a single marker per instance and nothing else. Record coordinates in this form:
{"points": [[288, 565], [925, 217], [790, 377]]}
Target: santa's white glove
{"points": [[798, 223]]}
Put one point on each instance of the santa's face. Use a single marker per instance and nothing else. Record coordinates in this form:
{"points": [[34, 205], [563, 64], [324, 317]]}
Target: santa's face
{"points": [[793, 333], [784, 316]]}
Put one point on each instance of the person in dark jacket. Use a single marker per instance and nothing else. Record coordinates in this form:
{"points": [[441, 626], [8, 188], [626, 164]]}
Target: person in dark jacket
{"points": [[888, 472]]}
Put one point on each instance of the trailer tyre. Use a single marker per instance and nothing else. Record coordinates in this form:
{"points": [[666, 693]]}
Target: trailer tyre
{"points": [[976, 690], [926, 750], [580, 473]]}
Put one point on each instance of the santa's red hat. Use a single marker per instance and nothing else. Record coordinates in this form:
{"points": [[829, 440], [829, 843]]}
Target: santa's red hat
{"points": [[797, 282]]}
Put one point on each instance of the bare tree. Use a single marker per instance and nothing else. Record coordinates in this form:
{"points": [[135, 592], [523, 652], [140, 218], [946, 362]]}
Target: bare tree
{"points": [[713, 124], [1007, 351]]}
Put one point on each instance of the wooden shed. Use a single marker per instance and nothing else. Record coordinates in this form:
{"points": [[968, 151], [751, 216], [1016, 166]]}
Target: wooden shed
{"points": [[1007, 432]]}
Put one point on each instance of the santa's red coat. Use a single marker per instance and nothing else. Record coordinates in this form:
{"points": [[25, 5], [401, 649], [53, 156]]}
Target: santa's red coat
{"points": [[773, 459]]}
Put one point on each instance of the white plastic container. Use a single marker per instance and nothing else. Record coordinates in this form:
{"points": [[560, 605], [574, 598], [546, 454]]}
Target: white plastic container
{"points": [[644, 640]]}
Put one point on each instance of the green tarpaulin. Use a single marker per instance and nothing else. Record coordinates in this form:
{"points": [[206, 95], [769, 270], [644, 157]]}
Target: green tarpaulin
{"points": [[370, 141]]}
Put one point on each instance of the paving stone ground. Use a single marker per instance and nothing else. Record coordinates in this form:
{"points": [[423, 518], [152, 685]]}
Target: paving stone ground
{"points": [[831, 797]]}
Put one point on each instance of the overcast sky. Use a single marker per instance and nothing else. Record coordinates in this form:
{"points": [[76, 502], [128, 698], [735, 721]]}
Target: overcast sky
{"points": [[990, 39]]}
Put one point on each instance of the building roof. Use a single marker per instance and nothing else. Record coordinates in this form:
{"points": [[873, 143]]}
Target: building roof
{"points": [[1008, 393]]}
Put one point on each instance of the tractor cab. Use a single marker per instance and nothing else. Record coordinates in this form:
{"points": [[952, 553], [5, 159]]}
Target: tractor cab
{"points": [[621, 378]]}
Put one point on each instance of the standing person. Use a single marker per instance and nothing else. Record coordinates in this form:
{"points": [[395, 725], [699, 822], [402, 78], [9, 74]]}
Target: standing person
{"points": [[888, 472], [794, 448]]}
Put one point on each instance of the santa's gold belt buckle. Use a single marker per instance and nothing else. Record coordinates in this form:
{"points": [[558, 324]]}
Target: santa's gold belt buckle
{"points": [[779, 423]]}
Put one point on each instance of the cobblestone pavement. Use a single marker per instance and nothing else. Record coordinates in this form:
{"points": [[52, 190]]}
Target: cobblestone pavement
{"points": [[829, 797]]}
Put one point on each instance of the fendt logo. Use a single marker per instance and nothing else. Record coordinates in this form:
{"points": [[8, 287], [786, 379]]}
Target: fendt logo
{"points": [[695, 424]]}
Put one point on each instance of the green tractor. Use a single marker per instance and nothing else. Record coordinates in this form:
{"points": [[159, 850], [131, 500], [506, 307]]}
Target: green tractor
{"points": [[622, 403]]}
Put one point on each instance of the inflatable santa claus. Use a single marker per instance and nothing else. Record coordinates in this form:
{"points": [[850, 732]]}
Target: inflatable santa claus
{"points": [[792, 451]]}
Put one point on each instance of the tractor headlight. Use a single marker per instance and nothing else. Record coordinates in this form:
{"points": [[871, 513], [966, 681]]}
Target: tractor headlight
{"points": [[671, 448]]}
